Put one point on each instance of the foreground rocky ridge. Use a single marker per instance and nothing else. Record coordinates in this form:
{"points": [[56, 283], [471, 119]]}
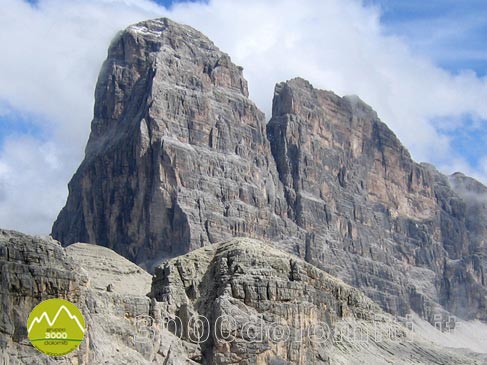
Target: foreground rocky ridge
{"points": [[34, 269], [252, 283], [179, 157]]}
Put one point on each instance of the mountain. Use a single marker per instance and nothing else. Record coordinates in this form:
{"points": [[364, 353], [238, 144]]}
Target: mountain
{"points": [[179, 158], [34, 269], [401, 231], [178, 155], [249, 284]]}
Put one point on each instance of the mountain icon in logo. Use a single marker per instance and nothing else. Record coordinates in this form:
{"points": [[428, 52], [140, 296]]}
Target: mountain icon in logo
{"points": [[45, 317], [56, 327]]}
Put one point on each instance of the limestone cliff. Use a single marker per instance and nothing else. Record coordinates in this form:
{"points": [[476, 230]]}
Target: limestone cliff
{"points": [[259, 287], [179, 157], [394, 228], [265, 306]]}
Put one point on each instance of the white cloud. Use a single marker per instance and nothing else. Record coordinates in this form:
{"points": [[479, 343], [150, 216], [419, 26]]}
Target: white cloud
{"points": [[460, 164], [53, 51], [52, 54], [32, 184], [453, 34]]}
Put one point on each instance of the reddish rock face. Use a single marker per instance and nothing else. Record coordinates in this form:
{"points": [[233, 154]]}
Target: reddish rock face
{"points": [[179, 157], [394, 228]]}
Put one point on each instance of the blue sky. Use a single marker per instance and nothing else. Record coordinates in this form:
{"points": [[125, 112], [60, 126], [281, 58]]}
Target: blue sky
{"points": [[165, 3], [421, 64], [454, 35], [16, 123]]}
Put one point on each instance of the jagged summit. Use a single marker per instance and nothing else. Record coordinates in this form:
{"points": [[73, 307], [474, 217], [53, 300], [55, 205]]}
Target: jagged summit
{"points": [[144, 60], [179, 158], [299, 85], [178, 155], [462, 181]]}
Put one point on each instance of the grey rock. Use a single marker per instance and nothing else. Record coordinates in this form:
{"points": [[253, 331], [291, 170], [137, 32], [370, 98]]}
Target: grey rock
{"points": [[249, 281], [34, 269], [259, 313], [179, 157], [394, 228]]}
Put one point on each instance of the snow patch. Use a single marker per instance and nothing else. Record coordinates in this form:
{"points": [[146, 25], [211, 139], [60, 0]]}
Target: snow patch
{"points": [[144, 30]]}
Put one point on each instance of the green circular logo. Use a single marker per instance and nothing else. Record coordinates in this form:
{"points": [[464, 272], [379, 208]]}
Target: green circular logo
{"points": [[56, 327]]}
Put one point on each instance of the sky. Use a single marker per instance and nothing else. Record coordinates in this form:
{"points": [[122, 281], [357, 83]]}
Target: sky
{"points": [[421, 65]]}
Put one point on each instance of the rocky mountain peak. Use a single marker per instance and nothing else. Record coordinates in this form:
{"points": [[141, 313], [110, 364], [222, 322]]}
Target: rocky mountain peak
{"points": [[468, 184], [179, 157], [141, 62]]}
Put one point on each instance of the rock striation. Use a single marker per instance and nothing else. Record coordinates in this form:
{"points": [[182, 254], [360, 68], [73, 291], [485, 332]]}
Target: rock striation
{"points": [[397, 229], [178, 155], [110, 291], [179, 158], [250, 282]]}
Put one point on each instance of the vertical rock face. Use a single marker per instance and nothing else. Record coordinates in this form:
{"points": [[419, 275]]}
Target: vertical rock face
{"points": [[474, 197], [178, 155], [374, 217], [470, 269]]}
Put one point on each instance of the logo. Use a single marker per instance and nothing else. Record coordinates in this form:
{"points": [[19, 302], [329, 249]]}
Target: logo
{"points": [[56, 327]]}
